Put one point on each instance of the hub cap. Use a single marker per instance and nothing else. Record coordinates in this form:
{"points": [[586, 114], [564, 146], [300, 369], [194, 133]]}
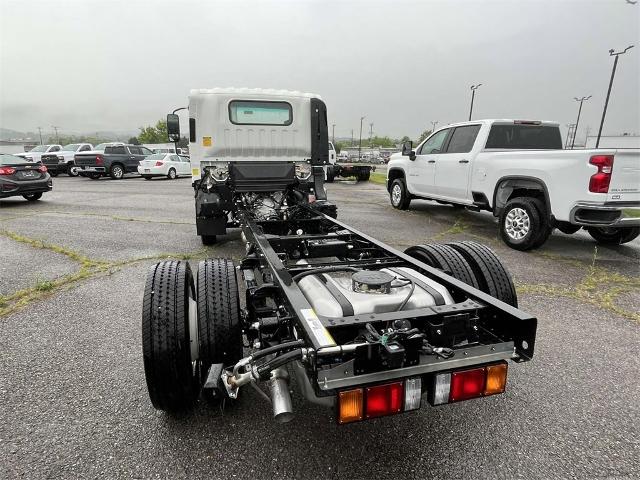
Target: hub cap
{"points": [[396, 194], [517, 224], [117, 172]]}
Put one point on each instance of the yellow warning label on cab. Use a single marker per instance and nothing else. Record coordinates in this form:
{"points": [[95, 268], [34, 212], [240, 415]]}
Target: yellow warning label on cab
{"points": [[206, 141]]}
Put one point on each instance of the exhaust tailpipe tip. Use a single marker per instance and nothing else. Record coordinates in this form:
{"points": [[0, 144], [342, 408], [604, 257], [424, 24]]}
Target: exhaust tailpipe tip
{"points": [[280, 396]]}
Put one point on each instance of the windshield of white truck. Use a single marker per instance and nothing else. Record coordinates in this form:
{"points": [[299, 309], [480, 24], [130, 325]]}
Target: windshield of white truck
{"points": [[534, 137]]}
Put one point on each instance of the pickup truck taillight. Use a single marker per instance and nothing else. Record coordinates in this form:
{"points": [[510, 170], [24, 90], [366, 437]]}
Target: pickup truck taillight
{"points": [[42, 168], [7, 171], [599, 182], [99, 160]]}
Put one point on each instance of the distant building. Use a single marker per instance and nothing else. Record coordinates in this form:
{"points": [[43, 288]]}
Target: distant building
{"points": [[614, 141]]}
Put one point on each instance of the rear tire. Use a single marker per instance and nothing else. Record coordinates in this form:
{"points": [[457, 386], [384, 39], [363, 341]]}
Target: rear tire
{"points": [[172, 374], [491, 275], [208, 239], [331, 174], [612, 235], [399, 195], [445, 258], [524, 224], [219, 320], [32, 197], [117, 171], [364, 176], [172, 174]]}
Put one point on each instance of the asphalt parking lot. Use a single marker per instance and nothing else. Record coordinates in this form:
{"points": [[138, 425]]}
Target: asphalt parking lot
{"points": [[72, 390]]}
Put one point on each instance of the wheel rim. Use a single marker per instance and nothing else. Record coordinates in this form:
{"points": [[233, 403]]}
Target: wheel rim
{"points": [[74, 171], [517, 223], [172, 174], [396, 194], [117, 172]]}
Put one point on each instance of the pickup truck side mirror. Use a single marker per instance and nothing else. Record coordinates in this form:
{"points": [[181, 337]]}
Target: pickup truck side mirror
{"points": [[173, 127], [407, 150]]}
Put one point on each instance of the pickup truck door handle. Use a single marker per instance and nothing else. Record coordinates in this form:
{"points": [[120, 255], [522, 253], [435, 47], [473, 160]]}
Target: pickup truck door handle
{"points": [[431, 161], [463, 161]]}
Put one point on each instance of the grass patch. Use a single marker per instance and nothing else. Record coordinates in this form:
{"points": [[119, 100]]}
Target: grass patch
{"points": [[44, 286], [378, 178]]}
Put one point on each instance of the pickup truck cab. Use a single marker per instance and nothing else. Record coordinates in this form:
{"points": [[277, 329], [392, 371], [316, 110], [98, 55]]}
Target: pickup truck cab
{"points": [[63, 160], [518, 171], [115, 161], [35, 154]]}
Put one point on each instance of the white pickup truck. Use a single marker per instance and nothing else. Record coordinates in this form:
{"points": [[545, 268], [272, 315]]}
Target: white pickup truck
{"points": [[519, 171], [35, 154], [63, 161]]}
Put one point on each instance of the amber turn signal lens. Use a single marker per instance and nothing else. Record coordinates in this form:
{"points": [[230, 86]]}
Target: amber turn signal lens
{"points": [[496, 379], [350, 406]]}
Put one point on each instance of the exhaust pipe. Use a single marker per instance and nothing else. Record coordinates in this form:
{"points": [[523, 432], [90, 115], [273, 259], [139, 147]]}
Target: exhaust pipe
{"points": [[280, 397]]}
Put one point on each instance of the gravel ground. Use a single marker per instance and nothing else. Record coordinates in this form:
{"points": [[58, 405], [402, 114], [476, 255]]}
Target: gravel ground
{"points": [[74, 401]]}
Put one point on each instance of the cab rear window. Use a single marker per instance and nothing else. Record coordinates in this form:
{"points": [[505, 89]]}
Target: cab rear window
{"points": [[245, 112], [525, 137]]}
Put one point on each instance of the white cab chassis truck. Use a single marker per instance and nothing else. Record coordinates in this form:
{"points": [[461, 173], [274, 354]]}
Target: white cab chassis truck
{"points": [[366, 330], [519, 171]]}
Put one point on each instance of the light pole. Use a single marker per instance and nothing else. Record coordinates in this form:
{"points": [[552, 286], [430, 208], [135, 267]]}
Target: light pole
{"points": [[333, 134], [360, 142], [575, 131], [570, 127], [56, 130], [433, 126], [473, 95], [606, 102], [40, 132]]}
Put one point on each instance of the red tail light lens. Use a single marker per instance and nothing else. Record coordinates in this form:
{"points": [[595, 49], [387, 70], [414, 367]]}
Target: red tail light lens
{"points": [[99, 160], [42, 168], [384, 399], [467, 384], [159, 163], [7, 170], [599, 182]]}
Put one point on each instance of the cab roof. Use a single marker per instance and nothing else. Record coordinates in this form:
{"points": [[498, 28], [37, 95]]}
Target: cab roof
{"points": [[252, 91]]}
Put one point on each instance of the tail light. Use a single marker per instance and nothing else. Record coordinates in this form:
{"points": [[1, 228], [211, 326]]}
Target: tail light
{"points": [[99, 160], [42, 169], [467, 384], [159, 163], [599, 182], [379, 400], [7, 170]]}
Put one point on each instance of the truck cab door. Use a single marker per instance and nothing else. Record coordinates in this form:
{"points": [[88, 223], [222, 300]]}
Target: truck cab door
{"points": [[454, 164], [422, 170]]}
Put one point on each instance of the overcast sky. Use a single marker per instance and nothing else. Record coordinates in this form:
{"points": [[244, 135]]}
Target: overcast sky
{"points": [[93, 65]]}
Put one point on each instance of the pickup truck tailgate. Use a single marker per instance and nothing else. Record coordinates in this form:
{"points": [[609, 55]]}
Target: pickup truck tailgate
{"points": [[625, 177]]}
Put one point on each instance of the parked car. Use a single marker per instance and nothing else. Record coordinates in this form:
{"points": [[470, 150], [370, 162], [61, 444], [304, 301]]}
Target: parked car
{"points": [[167, 165], [116, 161], [19, 176], [35, 154], [63, 161], [519, 171]]}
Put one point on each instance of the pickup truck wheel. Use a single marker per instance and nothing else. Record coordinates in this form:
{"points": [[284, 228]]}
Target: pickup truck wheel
{"points": [[172, 374], [172, 174], [208, 239], [72, 170], [32, 197], [117, 172], [364, 176], [612, 235], [522, 224], [445, 258], [491, 275], [399, 196], [331, 174], [219, 320]]}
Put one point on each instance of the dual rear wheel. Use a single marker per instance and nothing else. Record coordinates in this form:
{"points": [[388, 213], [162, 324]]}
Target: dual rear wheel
{"points": [[187, 327]]}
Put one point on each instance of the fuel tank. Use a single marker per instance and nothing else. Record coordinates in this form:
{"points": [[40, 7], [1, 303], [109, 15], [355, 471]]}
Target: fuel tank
{"points": [[327, 292]]}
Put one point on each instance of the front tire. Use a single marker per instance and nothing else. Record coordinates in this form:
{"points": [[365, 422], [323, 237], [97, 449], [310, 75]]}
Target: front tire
{"points": [[72, 170], [612, 235], [172, 174], [32, 197], [117, 172], [523, 223], [171, 372], [399, 195]]}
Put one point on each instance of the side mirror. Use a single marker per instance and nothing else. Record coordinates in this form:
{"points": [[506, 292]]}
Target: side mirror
{"points": [[407, 150], [173, 127]]}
